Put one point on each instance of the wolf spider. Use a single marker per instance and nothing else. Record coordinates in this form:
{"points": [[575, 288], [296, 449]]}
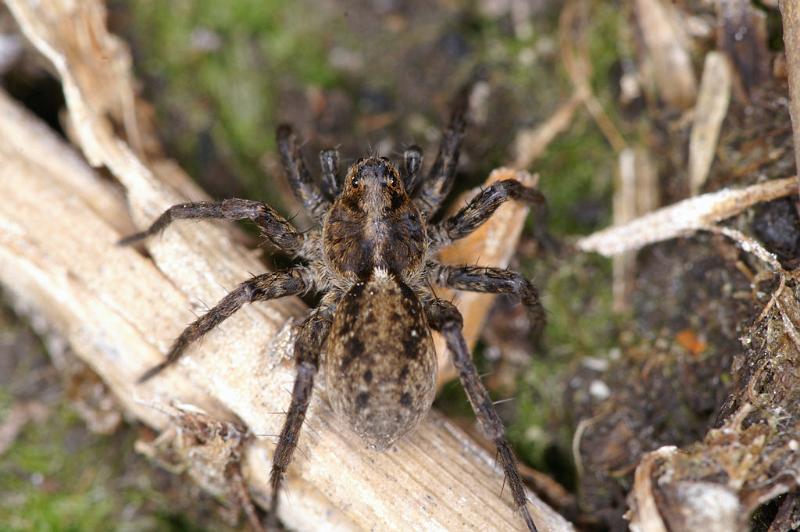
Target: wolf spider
{"points": [[373, 261]]}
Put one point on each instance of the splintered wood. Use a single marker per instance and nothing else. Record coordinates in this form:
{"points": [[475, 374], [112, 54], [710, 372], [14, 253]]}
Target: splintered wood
{"points": [[120, 310]]}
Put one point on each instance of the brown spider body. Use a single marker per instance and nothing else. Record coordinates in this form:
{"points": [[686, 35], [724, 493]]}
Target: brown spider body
{"points": [[379, 361], [374, 263]]}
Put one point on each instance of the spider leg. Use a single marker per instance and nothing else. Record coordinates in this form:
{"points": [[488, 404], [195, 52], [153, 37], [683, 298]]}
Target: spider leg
{"points": [[303, 186], [439, 180], [274, 226], [481, 208], [492, 281], [329, 162], [307, 347], [445, 318], [412, 164], [259, 288]]}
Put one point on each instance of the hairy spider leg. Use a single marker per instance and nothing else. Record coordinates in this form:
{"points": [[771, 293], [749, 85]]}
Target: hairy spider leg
{"points": [[492, 281], [307, 347], [437, 184], [481, 208], [445, 318], [274, 226], [412, 164], [300, 180], [272, 285], [329, 164]]}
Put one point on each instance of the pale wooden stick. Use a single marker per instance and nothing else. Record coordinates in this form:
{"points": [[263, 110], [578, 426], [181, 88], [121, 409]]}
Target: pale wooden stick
{"points": [[666, 49], [684, 217], [709, 112], [790, 13]]}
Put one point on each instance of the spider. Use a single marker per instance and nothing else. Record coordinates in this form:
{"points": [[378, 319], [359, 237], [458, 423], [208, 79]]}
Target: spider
{"points": [[373, 261]]}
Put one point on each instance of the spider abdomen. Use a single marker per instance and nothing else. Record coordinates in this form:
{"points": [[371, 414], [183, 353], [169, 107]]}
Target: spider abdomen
{"points": [[380, 364]]}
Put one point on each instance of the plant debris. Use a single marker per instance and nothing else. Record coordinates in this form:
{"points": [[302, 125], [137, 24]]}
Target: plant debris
{"points": [[212, 447]]}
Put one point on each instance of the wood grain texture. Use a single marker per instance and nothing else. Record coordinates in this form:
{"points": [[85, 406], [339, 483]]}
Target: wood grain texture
{"points": [[119, 309], [790, 14]]}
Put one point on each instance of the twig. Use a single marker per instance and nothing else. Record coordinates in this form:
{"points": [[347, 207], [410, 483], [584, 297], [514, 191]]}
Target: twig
{"points": [[752, 246], [709, 112], [684, 217], [17, 418], [749, 245], [575, 56], [635, 194], [666, 48], [790, 13], [531, 143]]}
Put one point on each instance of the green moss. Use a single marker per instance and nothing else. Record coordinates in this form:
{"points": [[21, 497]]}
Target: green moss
{"points": [[58, 477], [53, 487], [577, 174], [578, 167], [578, 300], [229, 89], [577, 297], [603, 47], [577, 178]]}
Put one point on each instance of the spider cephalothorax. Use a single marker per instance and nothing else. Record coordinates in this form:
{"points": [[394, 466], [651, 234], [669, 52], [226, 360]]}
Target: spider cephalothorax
{"points": [[373, 262], [373, 225]]}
